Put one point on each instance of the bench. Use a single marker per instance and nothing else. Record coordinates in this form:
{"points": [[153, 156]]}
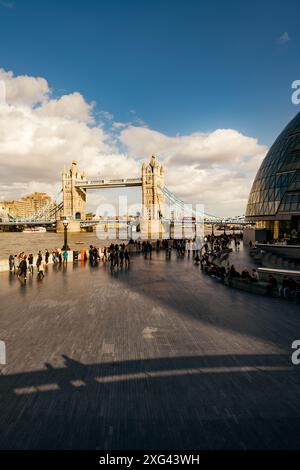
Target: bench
{"points": [[259, 287]]}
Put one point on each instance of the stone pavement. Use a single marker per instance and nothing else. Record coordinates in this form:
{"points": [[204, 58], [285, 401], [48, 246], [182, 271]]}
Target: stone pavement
{"points": [[157, 357]]}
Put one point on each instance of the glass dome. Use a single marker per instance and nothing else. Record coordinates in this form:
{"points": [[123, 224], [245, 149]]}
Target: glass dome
{"points": [[275, 193]]}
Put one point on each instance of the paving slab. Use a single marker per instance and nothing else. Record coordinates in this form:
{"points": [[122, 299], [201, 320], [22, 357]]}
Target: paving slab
{"points": [[159, 356]]}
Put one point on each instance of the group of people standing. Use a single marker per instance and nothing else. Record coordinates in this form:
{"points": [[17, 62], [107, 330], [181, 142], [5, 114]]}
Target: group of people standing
{"points": [[23, 264], [117, 256]]}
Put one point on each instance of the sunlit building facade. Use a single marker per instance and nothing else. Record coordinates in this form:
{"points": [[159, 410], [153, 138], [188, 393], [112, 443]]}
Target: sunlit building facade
{"points": [[27, 206]]}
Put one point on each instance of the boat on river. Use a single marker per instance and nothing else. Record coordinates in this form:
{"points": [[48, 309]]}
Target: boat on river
{"points": [[34, 230]]}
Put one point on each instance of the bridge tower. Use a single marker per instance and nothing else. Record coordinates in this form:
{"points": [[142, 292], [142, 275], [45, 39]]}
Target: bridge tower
{"points": [[74, 199], [153, 180]]}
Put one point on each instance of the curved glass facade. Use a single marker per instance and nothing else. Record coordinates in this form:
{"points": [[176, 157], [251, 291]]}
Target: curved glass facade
{"points": [[275, 194]]}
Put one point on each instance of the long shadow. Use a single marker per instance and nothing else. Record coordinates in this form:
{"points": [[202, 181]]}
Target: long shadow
{"points": [[212, 401], [181, 286], [206, 402]]}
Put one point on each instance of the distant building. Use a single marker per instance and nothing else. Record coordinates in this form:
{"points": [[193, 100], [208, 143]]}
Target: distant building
{"points": [[27, 206], [274, 200], [3, 213]]}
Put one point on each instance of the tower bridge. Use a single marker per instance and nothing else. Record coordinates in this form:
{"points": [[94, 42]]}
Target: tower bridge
{"points": [[70, 203], [75, 186]]}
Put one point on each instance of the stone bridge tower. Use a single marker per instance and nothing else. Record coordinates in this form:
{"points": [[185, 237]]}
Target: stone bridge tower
{"points": [[153, 180], [74, 199]]}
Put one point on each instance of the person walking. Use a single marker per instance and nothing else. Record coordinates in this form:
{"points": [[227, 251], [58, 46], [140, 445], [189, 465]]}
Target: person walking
{"points": [[54, 258], [30, 263], [146, 250], [127, 258], [40, 274], [23, 269], [91, 255], [39, 261], [16, 264], [116, 256], [11, 263], [47, 254]]}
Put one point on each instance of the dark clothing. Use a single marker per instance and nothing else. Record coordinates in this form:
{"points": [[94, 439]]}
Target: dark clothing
{"points": [[23, 267]]}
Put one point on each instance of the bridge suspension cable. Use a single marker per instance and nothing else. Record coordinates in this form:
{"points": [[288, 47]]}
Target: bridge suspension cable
{"points": [[203, 217]]}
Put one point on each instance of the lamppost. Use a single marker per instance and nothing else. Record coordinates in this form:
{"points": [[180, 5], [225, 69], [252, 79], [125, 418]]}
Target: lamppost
{"points": [[66, 246]]}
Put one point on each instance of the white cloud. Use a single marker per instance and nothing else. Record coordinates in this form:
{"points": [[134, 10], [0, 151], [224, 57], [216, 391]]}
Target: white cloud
{"points": [[284, 38], [215, 169], [222, 146], [70, 107], [24, 90], [40, 134]]}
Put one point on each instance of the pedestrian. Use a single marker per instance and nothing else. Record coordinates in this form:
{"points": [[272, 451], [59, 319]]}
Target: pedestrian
{"points": [[121, 257], [23, 268], [127, 258], [11, 262], [95, 255], [105, 254], [116, 256], [30, 263], [91, 255], [39, 261], [65, 256], [40, 274], [187, 247]]}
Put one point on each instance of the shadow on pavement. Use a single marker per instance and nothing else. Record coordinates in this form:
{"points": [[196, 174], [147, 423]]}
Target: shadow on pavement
{"points": [[205, 402]]}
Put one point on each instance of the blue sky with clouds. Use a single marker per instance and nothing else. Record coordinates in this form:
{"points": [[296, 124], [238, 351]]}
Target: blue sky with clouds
{"points": [[180, 65], [206, 85]]}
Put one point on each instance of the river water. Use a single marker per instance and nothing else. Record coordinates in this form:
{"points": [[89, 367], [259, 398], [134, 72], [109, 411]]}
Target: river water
{"points": [[16, 242]]}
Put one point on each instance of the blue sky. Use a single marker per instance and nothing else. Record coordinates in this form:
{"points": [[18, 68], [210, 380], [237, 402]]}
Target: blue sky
{"points": [[182, 66], [205, 85]]}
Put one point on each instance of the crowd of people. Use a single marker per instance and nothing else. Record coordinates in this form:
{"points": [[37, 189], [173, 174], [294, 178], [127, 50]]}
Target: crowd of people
{"points": [[23, 265], [116, 255], [288, 288], [210, 254]]}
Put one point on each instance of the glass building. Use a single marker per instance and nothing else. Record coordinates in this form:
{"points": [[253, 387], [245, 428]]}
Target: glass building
{"points": [[274, 200]]}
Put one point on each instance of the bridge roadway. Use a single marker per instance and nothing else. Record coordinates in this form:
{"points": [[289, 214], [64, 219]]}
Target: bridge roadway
{"points": [[160, 356], [115, 183]]}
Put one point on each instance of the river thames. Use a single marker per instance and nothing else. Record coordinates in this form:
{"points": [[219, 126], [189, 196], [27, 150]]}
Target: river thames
{"points": [[16, 242]]}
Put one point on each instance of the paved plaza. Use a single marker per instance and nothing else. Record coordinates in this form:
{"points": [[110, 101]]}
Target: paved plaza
{"points": [[156, 357]]}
